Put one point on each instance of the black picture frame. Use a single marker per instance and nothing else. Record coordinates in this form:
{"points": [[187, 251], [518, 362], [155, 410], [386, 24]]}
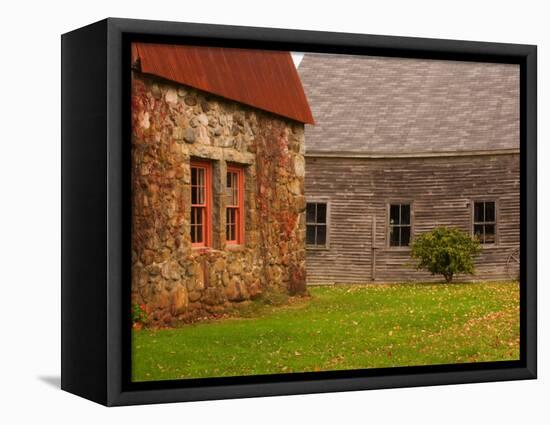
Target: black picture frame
{"points": [[95, 210]]}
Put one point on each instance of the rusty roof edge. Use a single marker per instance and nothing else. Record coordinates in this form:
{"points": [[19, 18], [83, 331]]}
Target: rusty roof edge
{"points": [[307, 119], [279, 114]]}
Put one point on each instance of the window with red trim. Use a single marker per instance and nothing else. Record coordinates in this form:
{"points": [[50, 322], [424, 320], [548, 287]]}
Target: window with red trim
{"points": [[200, 203], [234, 216]]}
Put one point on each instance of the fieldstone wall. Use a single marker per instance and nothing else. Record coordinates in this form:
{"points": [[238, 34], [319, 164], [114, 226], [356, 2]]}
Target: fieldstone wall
{"points": [[172, 124]]}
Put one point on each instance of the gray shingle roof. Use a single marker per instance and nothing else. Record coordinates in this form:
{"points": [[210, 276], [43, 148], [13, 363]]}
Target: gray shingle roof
{"points": [[383, 105]]}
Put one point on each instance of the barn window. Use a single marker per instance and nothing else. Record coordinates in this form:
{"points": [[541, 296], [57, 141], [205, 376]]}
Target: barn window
{"points": [[316, 224], [200, 203], [234, 216], [485, 221], [399, 224]]}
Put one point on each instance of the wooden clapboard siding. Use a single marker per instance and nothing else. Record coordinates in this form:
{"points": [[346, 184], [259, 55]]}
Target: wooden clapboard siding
{"points": [[441, 191]]}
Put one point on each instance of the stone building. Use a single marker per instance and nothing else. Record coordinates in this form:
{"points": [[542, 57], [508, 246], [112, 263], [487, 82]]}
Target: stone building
{"points": [[401, 146], [217, 178]]}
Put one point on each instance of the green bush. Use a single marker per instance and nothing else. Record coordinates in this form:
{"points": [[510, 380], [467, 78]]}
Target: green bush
{"points": [[445, 251], [139, 315]]}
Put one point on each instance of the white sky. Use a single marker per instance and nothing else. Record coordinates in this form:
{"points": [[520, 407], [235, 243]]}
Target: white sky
{"points": [[297, 58]]}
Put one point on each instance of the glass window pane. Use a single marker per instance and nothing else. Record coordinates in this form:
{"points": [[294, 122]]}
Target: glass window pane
{"points": [[230, 228], [199, 216], [489, 233], [199, 234], [231, 189], [200, 175], [405, 235], [235, 189], [405, 214], [228, 188], [201, 188], [394, 214], [228, 194], [196, 225], [194, 195], [479, 213], [394, 236], [478, 231], [489, 211], [193, 176], [310, 213], [321, 213], [321, 235], [310, 235]]}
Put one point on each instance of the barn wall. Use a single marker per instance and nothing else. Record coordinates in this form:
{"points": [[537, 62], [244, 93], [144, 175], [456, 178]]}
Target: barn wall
{"points": [[441, 190], [171, 124]]}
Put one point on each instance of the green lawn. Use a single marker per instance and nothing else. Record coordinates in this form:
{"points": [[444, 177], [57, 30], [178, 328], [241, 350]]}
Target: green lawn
{"points": [[341, 327]]}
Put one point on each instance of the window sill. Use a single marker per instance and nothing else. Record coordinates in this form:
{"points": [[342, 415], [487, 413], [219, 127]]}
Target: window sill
{"points": [[201, 249], [235, 247], [317, 248], [398, 248], [489, 246]]}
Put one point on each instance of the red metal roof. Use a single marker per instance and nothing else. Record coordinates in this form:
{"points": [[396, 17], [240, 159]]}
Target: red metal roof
{"points": [[264, 79]]}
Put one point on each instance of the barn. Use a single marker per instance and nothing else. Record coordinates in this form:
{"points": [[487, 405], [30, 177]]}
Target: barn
{"points": [[218, 205], [401, 146]]}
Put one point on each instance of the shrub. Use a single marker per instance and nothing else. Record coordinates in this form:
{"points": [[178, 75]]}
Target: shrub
{"points": [[445, 251], [139, 315]]}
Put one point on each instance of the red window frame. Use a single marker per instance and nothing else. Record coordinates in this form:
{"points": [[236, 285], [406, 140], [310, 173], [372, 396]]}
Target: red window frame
{"points": [[234, 215], [201, 204]]}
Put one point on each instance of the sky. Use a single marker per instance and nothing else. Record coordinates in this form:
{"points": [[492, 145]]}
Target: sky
{"points": [[297, 58]]}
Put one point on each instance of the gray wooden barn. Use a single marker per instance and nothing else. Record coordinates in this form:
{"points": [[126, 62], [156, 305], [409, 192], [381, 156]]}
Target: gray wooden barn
{"points": [[401, 146]]}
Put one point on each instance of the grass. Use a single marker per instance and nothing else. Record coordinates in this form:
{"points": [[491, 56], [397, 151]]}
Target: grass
{"points": [[341, 327]]}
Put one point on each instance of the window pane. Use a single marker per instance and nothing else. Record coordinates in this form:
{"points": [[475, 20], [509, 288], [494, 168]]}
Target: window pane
{"points": [[394, 214], [479, 213], [193, 216], [228, 189], [478, 231], [230, 228], [198, 216], [201, 186], [321, 213], [394, 236], [405, 235], [230, 232], [310, 214], [197, 227], [200, 176], [489, 211], [231, 189], [310, 235], [321, 235], [235, 199], [197, 185], [405, 214], [489, 233], [199, 234], [236, 188]]}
